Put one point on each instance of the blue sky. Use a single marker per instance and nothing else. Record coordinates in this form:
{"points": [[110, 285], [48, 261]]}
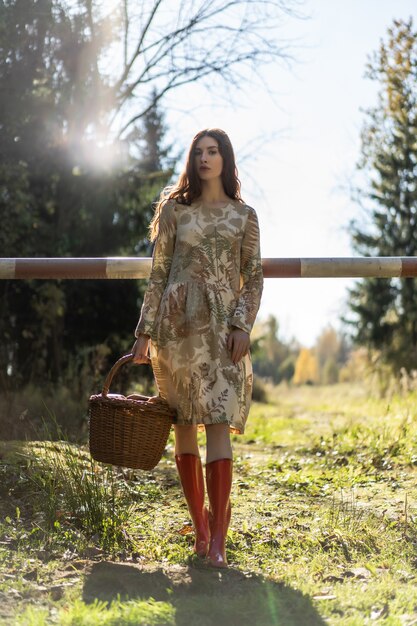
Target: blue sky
{"points": [[298, 180]]}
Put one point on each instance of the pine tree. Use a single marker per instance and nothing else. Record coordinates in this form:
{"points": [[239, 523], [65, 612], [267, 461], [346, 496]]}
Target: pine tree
{"points": [[385, 310]]}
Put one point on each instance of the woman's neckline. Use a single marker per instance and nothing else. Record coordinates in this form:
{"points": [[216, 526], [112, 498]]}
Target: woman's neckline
{"points": [[207, 205]]}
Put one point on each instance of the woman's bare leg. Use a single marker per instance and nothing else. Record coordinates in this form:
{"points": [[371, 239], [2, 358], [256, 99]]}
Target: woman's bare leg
{"points": [[186, 440], [218, 442]]}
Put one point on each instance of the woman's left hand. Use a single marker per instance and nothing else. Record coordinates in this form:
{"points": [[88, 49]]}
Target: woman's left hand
{"points": [[238, 343]]}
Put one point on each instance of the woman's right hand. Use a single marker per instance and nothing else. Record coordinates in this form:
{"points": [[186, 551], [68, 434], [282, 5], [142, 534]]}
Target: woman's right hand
{"points": [[140, 350]]}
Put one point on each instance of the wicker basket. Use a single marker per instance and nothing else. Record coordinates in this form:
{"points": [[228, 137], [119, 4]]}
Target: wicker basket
{"points": [[128, 431]]}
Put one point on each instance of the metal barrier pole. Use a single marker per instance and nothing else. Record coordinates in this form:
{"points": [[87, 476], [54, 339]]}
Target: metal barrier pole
{"points": [[140, 267]]}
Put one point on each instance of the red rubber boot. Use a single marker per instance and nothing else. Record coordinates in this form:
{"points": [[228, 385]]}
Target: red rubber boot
{"points": [[219, 485], [190, 471]]}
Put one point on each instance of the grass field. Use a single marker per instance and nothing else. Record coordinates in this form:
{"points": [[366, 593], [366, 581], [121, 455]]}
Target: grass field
{"points": [[323, 528]]}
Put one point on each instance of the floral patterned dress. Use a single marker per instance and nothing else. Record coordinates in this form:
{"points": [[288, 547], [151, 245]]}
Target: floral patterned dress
{"points": [[206, 278]]}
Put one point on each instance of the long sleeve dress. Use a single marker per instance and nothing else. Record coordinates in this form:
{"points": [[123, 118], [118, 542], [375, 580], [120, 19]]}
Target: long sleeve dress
{"points": [[206, 278]]}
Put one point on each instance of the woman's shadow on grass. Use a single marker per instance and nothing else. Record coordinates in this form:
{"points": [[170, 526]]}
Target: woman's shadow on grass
{"points": [[204, 597]]}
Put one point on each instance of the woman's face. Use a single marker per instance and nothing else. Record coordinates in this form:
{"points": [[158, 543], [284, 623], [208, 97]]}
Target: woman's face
{"points": [[208, 160]]}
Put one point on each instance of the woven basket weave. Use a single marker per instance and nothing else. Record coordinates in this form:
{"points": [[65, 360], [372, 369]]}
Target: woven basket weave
{"points": [[128, 431]]}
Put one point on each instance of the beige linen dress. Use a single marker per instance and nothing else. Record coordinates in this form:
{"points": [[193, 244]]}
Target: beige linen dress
{"points": [[206, 277]]}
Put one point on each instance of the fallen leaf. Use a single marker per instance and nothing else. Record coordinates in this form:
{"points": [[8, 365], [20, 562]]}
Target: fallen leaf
{"points": [[333, 579], [357, 572], [378, 612]]}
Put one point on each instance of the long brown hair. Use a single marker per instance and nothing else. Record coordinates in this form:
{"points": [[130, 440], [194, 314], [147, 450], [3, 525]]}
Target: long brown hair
{"points": [[188, 186]]}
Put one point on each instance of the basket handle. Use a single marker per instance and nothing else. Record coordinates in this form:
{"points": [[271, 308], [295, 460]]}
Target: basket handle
{"points": [[124, 359]]}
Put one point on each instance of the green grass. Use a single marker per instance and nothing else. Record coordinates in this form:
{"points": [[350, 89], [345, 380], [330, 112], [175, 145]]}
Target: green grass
{"points": [[116, 613], [323, 529]]}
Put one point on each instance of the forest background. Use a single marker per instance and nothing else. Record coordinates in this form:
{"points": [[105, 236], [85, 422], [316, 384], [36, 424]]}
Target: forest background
{"points": [[85, 150]]}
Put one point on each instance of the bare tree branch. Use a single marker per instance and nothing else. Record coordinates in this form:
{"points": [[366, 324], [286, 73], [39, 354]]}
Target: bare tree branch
{"points": [[165, 45], [142, 37], [126, 22]]}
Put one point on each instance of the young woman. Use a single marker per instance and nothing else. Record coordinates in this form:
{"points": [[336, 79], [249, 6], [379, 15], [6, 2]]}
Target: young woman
{"points": [[199, 308]]}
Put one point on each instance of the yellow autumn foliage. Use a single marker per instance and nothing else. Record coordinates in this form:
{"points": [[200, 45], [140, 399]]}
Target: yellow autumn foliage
{"points": [[306, 368]]}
